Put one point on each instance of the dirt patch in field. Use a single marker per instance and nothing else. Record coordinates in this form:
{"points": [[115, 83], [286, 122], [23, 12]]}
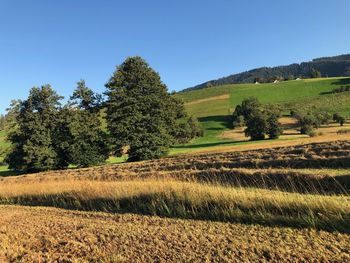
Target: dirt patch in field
{"points": [[31, 234], [221, 97]]}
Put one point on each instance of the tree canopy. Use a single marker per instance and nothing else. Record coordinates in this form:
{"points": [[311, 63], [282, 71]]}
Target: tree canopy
{"points": [[141, 114]]}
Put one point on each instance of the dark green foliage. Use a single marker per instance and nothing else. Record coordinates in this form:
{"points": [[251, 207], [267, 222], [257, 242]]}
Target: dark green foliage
{"points": [[80, 140], [274, 129], [339, 118], [248, 108], [315, 74], [140, 112], [32, 138], [45, 136], [323, 117], [329, 66], [307, 123], [187, 129], [85, 98], [256, 127], [260, 120]]}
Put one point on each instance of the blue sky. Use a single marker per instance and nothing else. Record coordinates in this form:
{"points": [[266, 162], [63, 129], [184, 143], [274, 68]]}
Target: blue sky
{"points": [[187, 42]]}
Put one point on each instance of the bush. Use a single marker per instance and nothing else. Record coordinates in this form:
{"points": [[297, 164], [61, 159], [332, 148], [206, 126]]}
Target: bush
{"points": [[274, 129], [343, 131], [256, 127], [339, 118], [312, 133], [307, 123]]}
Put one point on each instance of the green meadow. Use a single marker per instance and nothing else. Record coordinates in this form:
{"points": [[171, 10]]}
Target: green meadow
{"points": [[213, 109]]}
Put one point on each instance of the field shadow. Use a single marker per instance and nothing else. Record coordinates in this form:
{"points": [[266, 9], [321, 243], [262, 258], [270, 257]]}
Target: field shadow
{"points": [[170, 206], [345, 81], [286, 181], [340, 82], [8, 173], [223, 120], [203, 145]]}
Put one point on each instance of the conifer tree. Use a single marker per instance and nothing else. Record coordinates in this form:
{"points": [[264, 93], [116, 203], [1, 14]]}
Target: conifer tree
{"points": [[79, 137], [141, 114], [32, 142]]}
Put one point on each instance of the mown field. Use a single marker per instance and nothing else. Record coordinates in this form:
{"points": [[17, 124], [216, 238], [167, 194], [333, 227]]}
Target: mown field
{"points": [[213, 106], [282, 204]]}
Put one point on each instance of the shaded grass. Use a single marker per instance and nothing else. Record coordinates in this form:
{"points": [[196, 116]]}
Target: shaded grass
{"points": [[188, 200]]}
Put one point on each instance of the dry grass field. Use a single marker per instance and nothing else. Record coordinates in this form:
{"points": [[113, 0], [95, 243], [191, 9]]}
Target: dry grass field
{"points": [[34, 234], [277, 204]]}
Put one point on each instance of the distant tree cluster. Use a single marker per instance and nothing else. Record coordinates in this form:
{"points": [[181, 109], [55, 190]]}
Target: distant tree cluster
{"points": [[259, 121], [313, 120], [141, 116]]}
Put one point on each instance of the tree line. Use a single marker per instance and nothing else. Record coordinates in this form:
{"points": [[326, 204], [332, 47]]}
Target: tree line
{"points": [[328, 67], [143, 121]]}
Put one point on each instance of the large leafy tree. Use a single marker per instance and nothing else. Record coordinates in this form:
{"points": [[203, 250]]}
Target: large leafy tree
{"points": [[141, 114], [31, 137]]}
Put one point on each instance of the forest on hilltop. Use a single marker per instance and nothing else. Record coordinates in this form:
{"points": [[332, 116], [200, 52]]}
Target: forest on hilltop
{"points": [[336, 66]]}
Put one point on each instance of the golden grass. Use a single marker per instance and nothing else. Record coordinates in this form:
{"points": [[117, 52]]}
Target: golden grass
{"points": [[249, 187], [187, 200]]}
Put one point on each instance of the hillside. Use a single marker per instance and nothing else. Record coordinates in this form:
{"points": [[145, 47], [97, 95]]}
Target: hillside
{"points": [[328, 66], [214, 106]]}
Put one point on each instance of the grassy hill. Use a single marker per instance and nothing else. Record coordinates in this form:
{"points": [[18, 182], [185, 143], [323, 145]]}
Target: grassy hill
{"points": [[213, 106]]}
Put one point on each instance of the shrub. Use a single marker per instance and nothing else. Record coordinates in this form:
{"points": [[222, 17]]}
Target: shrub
{"points": [[256, 127], [339, 118], [274, 129]]}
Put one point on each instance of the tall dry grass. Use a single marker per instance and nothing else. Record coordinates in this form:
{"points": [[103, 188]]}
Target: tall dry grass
{"points": [[187, 200]]}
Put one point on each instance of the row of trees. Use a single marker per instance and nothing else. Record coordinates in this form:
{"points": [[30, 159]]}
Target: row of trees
{"points": [[313, 120], [141, 117]]}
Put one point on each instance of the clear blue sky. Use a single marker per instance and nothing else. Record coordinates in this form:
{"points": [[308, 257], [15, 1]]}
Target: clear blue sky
{"points": [[187, 42]]}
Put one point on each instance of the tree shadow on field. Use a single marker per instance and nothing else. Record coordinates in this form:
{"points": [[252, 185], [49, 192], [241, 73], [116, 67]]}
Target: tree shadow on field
{"points": [[203, 145], [223, 120], [340, 83], [344, 81], [169, 205], [8, 173]]}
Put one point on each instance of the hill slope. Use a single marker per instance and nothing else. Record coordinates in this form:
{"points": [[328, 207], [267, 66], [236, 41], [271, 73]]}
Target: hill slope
{"points": [[214, 106], [328, 66]]}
